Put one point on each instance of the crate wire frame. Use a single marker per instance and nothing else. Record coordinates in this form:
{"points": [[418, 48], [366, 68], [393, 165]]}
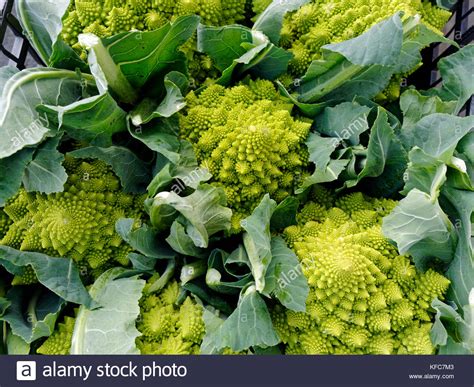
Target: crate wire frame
{"points": [[14, 46], [460, 28]]}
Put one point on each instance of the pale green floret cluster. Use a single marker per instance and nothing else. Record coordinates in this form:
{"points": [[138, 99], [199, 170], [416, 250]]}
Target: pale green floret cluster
{"points": [[247, 138], [78, 223], [320, 22], [364, 297], [168, 328], [109, 17]]}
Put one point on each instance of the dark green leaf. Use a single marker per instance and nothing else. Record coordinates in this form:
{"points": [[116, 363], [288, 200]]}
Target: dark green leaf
{"points": [[11, 173], [143, 239], [285, 214], [59, 275], [32, 316]]}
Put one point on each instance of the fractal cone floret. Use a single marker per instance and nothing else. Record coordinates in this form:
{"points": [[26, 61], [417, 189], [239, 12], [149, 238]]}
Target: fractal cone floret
{"points": [[168, 327], [78, 223], [364, 297], [247, 138]]}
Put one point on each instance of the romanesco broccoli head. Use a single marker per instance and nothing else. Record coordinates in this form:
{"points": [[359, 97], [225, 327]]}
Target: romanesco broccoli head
{"points": [[364, 297], [166, 326], [78, 223], [247, 138]]}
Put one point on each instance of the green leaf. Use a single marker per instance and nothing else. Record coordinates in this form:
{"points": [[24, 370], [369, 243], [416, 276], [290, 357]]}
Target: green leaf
{"points": [[11, 173], [284, 278], [420, 228], [249, 325], [385, 159], [41, 22], [59, 275], [223, 44], [199, 288], [461, 273], [4, 304], [32, 316], [161, 136], [111, 328], [93, 120], [182, 242], [415, 106], [45, 172], [450, 324], [325, 175], [131, 60], [204, 212], [346, 121], [143, 239], [411, 49], [270, 21], [221, 275], [257, 239], [425, 173], [175, 84], [16, 345], [142, 262], [237, 50], [458, 84], [20, 123], [212, 322], [285, 214], [438, 134], [380, 45], [132, 172]]}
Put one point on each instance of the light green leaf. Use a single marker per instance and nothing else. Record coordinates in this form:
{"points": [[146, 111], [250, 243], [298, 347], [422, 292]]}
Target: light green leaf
{"points": [[284, 278], [346, 121], [110, 329], [420, 228], [16, 345], [270, 21], [32, 316], [257, 239], [438, 134], [132, 172], [380, 45], [330, 173], [456, 71], [249, 325], [20, 123], [175, 85], [425, 173], [45, 172], [459, 327], [59, 275], [41, 22], [204, 211], [415, 106]]}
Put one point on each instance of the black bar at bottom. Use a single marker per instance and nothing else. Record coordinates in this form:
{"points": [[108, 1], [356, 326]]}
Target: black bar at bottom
{"points": [[208, 371]]}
